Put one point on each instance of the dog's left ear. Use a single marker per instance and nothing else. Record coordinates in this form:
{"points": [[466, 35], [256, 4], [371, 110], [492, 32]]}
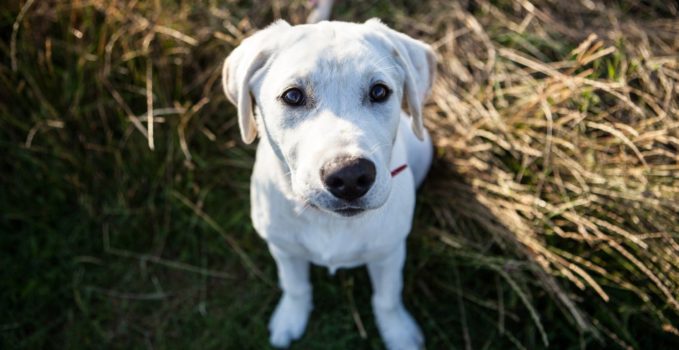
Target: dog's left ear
{"points": [[418, 62], [239, 68]]}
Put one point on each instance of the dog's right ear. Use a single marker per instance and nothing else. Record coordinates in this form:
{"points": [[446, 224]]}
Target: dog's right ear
{"points": [[418, 62], [239, 67]]}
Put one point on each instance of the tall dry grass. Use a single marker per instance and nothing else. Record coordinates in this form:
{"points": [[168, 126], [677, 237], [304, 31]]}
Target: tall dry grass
{"points": [[568, 156], [556, 124]]}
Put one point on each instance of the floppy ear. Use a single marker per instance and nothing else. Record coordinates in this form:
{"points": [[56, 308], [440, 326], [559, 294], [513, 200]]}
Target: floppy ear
{"points": [[244, 61], [418, 62]]}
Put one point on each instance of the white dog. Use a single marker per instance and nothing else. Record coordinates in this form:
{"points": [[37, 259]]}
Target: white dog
{"points": [[337, 164]]}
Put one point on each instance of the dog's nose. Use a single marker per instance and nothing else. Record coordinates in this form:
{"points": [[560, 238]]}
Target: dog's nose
{"points": [[348, 178]]}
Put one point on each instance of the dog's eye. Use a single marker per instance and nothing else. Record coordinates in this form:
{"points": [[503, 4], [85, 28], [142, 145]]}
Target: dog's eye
{"points": [[293, 97], [379, 93]]}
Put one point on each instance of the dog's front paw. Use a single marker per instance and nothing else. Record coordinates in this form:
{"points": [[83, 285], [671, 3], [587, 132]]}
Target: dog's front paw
{"points": [[398, 329], [289, 319]]}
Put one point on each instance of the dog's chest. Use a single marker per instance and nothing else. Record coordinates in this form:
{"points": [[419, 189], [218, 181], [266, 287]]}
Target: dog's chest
{"points": [[337, 247], [335, 243]]}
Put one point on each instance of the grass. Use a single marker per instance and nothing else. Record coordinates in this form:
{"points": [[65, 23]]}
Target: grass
{"points": [[549, 219]]}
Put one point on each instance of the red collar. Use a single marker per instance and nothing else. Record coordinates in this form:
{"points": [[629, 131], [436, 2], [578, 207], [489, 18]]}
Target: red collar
{"points": [[398, 170]]}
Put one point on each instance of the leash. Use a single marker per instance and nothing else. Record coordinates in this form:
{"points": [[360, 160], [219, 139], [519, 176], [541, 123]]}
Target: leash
{"points": [[398, 170]]}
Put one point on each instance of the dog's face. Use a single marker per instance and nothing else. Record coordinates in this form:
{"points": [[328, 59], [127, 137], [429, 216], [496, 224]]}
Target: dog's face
{"points": [[328, 98]]}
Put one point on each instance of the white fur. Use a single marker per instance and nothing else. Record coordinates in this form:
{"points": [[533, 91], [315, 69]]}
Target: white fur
{"points": [[335, 63]]}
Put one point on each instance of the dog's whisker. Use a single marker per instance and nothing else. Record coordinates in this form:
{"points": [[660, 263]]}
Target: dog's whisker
{"points": [[388, 68], [299, 210], [375, 148], [381, 59]]}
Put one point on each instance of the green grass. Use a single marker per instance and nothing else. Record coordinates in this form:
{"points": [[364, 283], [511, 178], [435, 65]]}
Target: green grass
{"points": [[108, 244]]}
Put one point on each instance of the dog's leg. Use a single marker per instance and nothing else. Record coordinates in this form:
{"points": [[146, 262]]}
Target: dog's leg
{"points": [[291, 315], [397, 327]]}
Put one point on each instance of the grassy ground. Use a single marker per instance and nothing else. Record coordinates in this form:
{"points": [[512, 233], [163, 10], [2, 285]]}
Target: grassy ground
{"points": [[550, 219]]}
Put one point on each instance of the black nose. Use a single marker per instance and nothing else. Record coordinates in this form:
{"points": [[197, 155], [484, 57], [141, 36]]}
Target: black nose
{"points": [[348, 178]]}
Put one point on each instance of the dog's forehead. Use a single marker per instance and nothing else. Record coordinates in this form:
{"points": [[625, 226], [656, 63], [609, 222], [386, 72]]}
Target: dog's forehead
{"points": [[333, 34], [333, 48]]}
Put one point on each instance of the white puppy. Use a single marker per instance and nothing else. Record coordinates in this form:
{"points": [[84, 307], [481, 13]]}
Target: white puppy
{"points": [[337, 164]]}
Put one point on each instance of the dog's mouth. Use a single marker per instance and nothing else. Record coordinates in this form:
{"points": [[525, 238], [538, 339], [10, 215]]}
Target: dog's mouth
{"points": [[349, 211], [346, 211]]}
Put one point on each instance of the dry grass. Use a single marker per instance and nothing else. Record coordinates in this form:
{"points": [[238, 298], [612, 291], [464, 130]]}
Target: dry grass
{"points": [[556, 124], [569, 157]]}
